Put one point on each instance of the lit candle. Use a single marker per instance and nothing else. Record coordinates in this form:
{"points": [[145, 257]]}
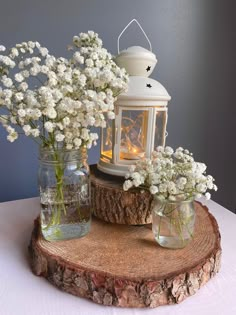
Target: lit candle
{"points": [[132, 154]]}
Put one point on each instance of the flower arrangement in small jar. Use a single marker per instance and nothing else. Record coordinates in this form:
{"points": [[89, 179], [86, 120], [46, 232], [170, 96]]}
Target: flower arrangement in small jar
{"points": [[175, 180], [56, 101]]}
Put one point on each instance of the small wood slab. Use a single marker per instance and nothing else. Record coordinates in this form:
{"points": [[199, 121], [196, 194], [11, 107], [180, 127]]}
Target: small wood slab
{"points": [[112, 204], [124, 266]]}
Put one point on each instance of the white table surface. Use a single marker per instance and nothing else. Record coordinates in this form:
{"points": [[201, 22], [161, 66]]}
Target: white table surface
{"points": [[21, 292]]}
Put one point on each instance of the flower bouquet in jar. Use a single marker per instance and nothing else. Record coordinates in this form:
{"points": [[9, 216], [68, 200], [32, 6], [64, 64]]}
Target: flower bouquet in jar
{"points": [[175, 180], [56, 102]]}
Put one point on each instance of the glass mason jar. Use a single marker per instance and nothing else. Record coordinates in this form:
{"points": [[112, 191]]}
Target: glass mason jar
{"points": [[173, 222], [64, 185]]}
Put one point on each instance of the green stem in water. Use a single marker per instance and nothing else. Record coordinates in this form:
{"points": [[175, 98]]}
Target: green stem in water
{"points": [[59, 186], [180, 227], [159, 228]]}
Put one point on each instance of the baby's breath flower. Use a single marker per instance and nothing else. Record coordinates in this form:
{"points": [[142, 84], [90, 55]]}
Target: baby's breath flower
{"points": [[12, 136], [59, 137], [71, 95], [78, 58], [43, 51], [49, 126], [35, 132], [208, 196], [77, 142], [21, 112], [169, 150], [127, 185], [7, 82], [153, 190], [27, 129], [66, 121], [171, 175]]}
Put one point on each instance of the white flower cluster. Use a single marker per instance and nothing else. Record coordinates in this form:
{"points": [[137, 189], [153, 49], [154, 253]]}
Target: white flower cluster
{"points": [[171, 175], [55, 100]]}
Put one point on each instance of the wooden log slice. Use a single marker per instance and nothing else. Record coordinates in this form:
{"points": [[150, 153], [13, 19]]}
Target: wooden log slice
{"points": [[123, 265], [112, 204]]}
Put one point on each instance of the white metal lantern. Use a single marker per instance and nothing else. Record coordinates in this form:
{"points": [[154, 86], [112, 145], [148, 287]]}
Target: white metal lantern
{"points": [[141, 114]]}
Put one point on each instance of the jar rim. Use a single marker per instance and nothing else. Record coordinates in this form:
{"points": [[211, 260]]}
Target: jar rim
{"points": [[43, 149], [63, 155], [175, 201]]}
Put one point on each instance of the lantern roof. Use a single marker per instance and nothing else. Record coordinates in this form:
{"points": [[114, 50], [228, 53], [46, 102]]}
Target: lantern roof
{"points": [[143, 88]]}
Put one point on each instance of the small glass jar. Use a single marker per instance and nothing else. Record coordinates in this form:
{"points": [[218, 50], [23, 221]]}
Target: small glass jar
{"points": [[64, 185], [173, 222]]}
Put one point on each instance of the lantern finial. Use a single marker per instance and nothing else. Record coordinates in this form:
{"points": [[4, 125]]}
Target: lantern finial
{"points": [[136, 60]]}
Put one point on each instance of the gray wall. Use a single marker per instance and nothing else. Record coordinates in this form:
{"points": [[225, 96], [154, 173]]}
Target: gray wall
{"points": [[193, 40]]}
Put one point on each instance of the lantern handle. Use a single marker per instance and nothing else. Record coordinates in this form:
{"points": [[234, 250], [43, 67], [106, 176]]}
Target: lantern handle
{"points": [[134, 20]]}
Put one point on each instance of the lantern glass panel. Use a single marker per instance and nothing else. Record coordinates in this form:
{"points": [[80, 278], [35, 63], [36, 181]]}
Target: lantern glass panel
{"points": [[160, 129], [133, 136], [107, 139]]}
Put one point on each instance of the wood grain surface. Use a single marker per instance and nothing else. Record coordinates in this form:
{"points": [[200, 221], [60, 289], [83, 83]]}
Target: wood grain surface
{"points": [[112, 204], [123, 265]]}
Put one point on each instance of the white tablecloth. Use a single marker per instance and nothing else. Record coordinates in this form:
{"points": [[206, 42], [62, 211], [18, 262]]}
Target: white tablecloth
{"points": [[23, 293]]}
